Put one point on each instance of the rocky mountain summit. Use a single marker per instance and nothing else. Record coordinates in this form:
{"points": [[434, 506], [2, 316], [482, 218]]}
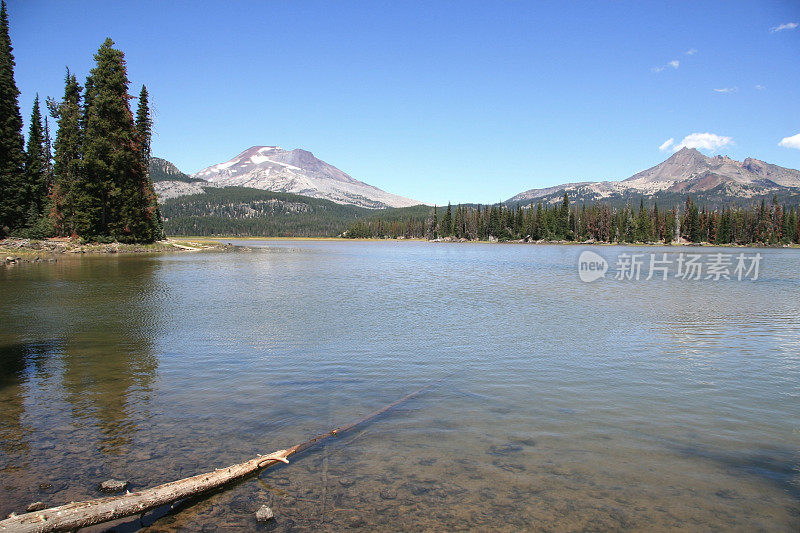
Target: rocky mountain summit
{"points": [[272, 168], [297, 171], [687, 171]]}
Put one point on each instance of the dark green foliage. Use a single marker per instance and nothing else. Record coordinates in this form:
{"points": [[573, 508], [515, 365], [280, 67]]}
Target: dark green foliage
{"points": [[446, 226], [599, 222], [144, 125], [148, 212], [110, 154], [37, 165], [644, 224], [240, 211], [112, 194], [67, 165], [12, 156], [563, 218]]}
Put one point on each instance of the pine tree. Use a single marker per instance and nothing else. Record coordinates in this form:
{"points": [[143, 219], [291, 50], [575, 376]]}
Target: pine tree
{"points": [[644, 225], [67, 159], [152, 226], [111, 199], [37, 187], [12, 156], [658, 229], [48, 152], [563, 218], [447, 222]]}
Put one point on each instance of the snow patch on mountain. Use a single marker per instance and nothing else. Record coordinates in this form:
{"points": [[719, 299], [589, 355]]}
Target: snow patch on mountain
{"points": [[299, 172]]}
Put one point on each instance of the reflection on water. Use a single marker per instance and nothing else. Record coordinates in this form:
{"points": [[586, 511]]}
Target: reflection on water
{"points": [[76, 333], [564, 405]]}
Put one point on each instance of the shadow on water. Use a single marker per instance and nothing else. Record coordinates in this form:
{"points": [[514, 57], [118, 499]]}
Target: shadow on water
{"points": [[17, 359], [104, 315], [780, 467], [17, 362]]}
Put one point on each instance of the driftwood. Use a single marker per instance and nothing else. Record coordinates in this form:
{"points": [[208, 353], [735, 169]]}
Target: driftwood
{"points": [[76, 515]]}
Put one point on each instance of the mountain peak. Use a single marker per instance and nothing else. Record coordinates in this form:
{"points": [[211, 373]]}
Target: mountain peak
{"points": [[687, 170], [688, 153], [297, 171]]}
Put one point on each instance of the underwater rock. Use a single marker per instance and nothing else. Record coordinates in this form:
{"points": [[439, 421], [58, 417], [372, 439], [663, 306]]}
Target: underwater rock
{"points": [[264, 514], [36, 506], [113, 485]]}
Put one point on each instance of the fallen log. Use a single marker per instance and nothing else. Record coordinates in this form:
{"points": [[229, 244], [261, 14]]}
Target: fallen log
{"points": [[76, 515]]}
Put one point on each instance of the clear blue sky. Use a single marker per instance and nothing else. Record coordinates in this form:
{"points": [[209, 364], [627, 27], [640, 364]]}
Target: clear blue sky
{"points": [[440, 101]]}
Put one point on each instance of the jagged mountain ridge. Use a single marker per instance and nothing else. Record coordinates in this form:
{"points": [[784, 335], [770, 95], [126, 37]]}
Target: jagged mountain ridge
{"points": [[297, 171], [687, 171]]}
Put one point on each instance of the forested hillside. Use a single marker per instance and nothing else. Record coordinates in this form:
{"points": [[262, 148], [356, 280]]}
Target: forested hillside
{"points": [[240, 211]]}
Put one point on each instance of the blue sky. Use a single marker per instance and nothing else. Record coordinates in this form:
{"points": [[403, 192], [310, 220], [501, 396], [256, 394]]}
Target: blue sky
{"points": [[441, 101]]}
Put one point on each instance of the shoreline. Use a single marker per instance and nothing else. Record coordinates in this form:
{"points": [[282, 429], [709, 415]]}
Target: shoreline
{"points": [[683, 244], [15, 250]]}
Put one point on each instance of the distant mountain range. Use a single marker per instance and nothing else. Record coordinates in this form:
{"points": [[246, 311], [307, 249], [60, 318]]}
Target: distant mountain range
{"points": [[710, 180], [271, 168]]}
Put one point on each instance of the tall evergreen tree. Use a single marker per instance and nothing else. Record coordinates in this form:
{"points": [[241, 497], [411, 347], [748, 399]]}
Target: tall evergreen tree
{"points": [[67, 158], [644, 225], [447, 222], [48, 151], [563, 219], [37, 187], [12, 156], [152, 225], [112, 199]]}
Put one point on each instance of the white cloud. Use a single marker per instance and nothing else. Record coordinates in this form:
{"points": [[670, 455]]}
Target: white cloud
{"points": [[664, 147], [760, 87], [791, 142], [703, 141], [674, 64], [726, 90], [782, 27], [691, 51]]}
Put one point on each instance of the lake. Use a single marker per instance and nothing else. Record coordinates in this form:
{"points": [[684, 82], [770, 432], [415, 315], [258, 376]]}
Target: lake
{"points": [[557, 404]]}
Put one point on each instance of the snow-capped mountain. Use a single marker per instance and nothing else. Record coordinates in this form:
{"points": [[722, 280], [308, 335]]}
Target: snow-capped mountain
{"points": [[299, 172], [687, 171]]}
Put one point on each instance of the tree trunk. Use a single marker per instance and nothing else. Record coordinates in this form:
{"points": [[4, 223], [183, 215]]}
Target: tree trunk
{"points": [[76, 515]]}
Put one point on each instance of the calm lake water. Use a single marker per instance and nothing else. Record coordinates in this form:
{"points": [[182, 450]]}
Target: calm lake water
{"points": [[562, 405]]}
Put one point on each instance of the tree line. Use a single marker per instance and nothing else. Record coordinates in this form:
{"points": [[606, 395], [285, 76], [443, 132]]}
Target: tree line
{"points": [[760, 223], [242, 211], [92, 182]]}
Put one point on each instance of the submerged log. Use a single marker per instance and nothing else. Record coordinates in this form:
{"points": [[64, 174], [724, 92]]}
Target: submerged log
{"points": [[76, 515]]}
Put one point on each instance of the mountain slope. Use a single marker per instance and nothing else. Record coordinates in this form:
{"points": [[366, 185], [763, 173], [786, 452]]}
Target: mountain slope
{"points": [[717, 179], [163, 170], [170, 182], [245, 211], [299, 172]]}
